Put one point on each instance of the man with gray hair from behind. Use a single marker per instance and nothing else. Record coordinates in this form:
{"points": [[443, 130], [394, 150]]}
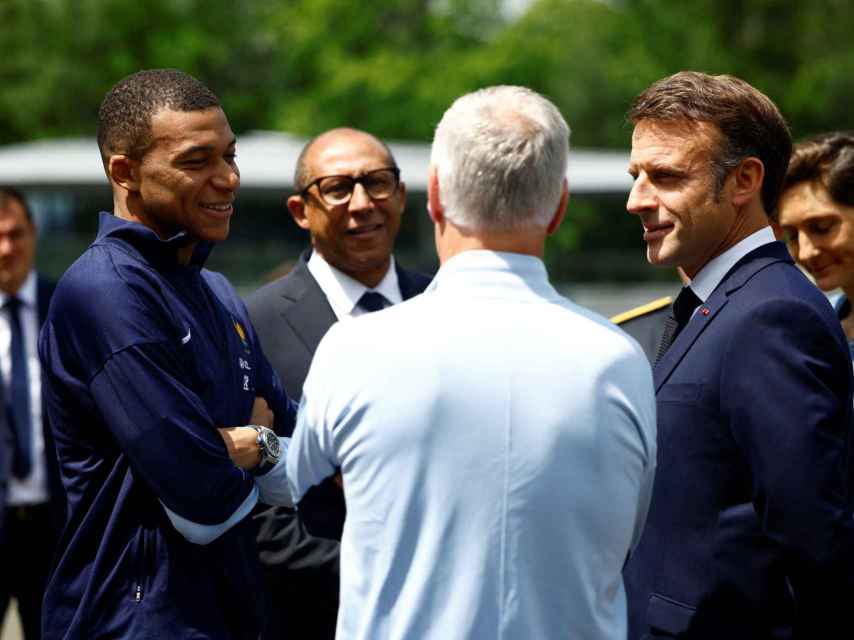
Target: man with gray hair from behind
{"points": [[496, 441]]}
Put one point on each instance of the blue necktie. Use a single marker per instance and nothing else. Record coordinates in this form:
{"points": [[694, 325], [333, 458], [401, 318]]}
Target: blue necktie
{"points": [[19, 392], [372, 301]]}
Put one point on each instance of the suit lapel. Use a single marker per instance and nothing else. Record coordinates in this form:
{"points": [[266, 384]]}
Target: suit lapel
{"points": [[44, 290], [409, 287], [304, 305], [306, 308], [741, 272], [698, 323]]}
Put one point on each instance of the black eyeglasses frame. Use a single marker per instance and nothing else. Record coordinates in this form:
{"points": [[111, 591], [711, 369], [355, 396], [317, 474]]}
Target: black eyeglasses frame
{"points": [[357, 180]]}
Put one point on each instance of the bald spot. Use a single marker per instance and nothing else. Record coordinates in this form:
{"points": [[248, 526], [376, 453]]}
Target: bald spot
{"points": [[324, 143]]}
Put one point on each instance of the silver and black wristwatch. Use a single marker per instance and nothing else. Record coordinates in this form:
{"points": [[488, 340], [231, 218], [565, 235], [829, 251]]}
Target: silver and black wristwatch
{"points": [[271, 449]]}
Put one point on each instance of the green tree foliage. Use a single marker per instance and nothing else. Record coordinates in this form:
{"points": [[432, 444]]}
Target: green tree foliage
{"points": [[61, 56], [392, 68], [799, 53]]}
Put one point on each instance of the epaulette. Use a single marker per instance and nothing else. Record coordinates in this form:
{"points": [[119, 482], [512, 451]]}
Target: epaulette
{"points": [[642, 310]]}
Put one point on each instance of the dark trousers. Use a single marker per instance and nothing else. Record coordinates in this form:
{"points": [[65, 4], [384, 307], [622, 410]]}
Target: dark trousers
{"points": [[26, 551]]}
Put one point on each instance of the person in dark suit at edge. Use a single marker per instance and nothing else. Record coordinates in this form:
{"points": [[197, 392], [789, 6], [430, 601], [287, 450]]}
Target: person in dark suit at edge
{"points": [[34, 504], [350, 199], [749, 533], [646, 322]]}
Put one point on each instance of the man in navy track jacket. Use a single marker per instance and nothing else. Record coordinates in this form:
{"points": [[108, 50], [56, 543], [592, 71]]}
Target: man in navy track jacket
{"points": [[153, 372]]}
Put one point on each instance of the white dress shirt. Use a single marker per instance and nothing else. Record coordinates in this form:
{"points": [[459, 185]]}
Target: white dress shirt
{"points": [[344, 292], [33, 489], [497, 444], [713, 272]]}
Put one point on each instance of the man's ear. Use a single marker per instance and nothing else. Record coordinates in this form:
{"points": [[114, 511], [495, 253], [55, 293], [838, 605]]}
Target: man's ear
{"points": [[747, 180], [124, 172], [296, 205], [401, 195], [559, 214], [434, 203]]}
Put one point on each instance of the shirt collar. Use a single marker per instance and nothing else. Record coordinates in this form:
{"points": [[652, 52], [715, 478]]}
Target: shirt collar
{"points": [[26, 294], [481, 266], [148, 243], [713, 272], [343, 291]]}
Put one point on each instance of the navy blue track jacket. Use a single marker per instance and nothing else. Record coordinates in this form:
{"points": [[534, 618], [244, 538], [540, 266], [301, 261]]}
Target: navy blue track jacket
{"points": [[144, 359]]}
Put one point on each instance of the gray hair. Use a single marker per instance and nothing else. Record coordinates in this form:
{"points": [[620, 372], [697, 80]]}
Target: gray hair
{"points": [[500, 154]]}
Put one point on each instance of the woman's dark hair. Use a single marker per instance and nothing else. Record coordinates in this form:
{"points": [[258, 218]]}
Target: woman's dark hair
{"points": [[827, 159]]}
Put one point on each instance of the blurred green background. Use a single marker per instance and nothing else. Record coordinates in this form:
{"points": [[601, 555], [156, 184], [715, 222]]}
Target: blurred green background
{"points": [[392, 68]]}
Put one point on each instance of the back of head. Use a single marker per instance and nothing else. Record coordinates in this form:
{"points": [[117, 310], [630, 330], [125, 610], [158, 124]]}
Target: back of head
{"points": [[124, 118], [827, 159], [748, 121], [501, 154]]}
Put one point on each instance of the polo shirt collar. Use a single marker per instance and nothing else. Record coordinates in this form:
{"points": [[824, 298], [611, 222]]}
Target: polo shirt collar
{"points": [[149, 244]]}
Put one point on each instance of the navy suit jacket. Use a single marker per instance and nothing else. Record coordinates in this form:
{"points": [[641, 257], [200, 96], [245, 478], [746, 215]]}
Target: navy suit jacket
{"points": [[300, 554], [44, 291], [749, 533]]}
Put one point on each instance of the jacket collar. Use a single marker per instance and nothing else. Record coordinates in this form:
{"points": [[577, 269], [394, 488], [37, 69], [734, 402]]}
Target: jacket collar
{"points": [[148, 244], [736, 277]]}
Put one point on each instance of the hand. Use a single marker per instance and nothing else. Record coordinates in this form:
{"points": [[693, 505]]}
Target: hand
{"points": [[261, 413], [338, 480], [242, 445]]}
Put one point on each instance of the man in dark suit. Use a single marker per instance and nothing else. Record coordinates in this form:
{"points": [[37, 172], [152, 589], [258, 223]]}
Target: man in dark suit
{"points": [[646, 324], [34, 502], [749, 533], [349, 198]]}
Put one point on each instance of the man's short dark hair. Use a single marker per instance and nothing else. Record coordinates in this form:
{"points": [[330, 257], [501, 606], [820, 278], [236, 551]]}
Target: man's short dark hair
{"points": [[827, 159], [10, 194], [749, 122], [124, 119], [301, 176]]}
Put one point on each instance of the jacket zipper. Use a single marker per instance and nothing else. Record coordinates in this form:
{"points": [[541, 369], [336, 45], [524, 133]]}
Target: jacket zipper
{"points": [[142, 565]]}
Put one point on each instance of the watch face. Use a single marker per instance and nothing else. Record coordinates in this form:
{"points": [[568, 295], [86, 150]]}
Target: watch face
{"points": [[272, 444]]}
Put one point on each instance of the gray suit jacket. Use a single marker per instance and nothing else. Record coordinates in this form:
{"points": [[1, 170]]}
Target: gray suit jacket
{"points": [[291, 316]]}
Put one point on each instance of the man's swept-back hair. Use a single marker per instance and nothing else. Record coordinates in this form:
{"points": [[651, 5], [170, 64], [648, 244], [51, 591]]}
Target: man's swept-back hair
{"points": [[749, 123], [11, 194], [827, 159], [124, 119], [501, 155]]}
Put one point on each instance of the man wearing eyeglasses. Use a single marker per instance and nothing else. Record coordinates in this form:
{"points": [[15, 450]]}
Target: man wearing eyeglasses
{"points": [[349, 198], [496, 440]]}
